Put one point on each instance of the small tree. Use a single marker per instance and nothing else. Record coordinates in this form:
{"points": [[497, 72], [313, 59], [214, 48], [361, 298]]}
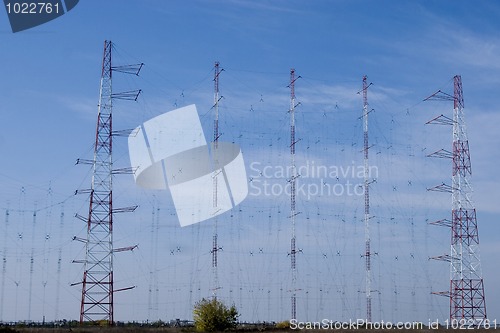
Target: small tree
{"points": [[213, 315]]}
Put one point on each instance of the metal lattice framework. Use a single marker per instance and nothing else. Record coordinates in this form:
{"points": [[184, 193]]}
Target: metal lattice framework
{"points": [[97, 283], [368, 274], [293, 184], [467, 298], [215, 246], [97, 289]]}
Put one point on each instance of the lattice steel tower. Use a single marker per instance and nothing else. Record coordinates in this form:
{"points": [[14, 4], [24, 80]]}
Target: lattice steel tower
{"points": [[215, 246], [467, 298], [97, 283], [367, 255], [293, 184]]}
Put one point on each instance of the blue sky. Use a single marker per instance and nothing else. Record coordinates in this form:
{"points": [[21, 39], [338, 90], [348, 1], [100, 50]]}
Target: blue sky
{"points": [[408, 49]]}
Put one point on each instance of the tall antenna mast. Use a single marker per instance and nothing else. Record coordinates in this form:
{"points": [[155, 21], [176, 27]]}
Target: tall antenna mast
{"points": [[368, 276], [97, 286], [59, 262], [4, 263], [97, 283], [32, 261], [215, 246], [467, 298], [293, 182]]}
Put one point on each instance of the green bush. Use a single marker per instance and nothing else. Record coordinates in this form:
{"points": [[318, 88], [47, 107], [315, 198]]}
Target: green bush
{"points": [[283, 325], [213, 315]]}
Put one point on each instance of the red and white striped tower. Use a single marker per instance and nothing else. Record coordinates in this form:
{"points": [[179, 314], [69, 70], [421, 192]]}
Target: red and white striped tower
{"points": [[467, 298], [97, 282]]}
